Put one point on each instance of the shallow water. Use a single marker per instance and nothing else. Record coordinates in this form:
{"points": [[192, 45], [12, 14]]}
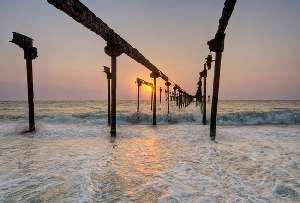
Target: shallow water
{"points": [[169, 163], [71, 157]]}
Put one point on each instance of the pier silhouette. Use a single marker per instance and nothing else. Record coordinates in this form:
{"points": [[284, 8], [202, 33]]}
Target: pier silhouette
{"points": [[116, 46]]}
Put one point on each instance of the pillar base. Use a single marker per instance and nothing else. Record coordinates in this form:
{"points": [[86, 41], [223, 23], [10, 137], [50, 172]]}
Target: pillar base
{"points": [[32, 129], [113, 132]]}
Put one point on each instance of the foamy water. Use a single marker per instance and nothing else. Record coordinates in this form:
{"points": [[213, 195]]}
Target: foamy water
{"points": [[71, 157], [95, 112]]}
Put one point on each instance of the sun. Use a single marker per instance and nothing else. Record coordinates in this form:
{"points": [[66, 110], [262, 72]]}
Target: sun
{"points": [[148, 88]]}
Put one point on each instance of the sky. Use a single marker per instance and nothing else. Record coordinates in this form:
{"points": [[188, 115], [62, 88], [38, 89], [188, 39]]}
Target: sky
{"points": [[261, 58]]}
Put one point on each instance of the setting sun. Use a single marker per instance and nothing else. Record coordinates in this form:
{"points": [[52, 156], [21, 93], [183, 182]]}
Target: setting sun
{"points": [[148, 88], [149, 101]]}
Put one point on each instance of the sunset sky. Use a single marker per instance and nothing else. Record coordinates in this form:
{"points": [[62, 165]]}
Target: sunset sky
{"points": [[261, 58]]}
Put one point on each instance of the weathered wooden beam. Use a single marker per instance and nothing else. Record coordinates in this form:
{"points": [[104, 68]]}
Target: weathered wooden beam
{"points": [[217, 45]]}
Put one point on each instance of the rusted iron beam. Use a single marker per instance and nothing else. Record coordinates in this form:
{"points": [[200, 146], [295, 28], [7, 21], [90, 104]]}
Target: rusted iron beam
{"points": [[154, 75], [140, 82], [203, 75], [108, 77], [151, 100], [113, 51], [168, 95], [79, 12], [30, 53], [199, 93], [160, 91], [217, 45]]}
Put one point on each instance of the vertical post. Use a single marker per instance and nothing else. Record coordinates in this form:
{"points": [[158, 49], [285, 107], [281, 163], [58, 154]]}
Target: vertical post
{"points": [[138, 98], [160, 90], [186, 100], [30, 53], [30, 94], [113, 95], [215, 97], [113, 51], [180, 99], [108, 102], [199, 93], [154, 75], [217, 45], [154, 101], [204, 95], [175, 97], [168, 96], [108, 77], [151, 98]]}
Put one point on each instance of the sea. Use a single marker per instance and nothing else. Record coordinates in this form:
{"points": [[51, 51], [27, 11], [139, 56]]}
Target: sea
{"points": [[72, 158]]}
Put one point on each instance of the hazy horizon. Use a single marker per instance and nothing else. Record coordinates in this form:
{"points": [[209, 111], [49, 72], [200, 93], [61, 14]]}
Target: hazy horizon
{"points": [[92, 100], [261, 57]]}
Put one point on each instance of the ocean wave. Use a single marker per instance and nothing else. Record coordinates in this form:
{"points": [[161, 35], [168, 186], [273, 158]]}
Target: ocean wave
{"points": [[260, 118], [236, 118], [172, 118]]}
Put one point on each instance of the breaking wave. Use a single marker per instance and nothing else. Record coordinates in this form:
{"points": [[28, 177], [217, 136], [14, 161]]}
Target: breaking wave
{"points": [[260, 118], [237, 118], [287, 116]]}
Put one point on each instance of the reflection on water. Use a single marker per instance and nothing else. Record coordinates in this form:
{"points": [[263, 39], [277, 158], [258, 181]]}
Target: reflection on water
{"points": [[85, 169], [140, 157], [151, 164]]}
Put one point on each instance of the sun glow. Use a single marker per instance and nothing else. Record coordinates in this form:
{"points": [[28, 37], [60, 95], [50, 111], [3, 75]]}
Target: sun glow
{"points": [[148, 88]]}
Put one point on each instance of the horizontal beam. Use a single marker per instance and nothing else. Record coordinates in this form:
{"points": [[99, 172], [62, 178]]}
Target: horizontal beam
{"points": [[141, 81], [226, 14], [22, 40], [80, 13]]}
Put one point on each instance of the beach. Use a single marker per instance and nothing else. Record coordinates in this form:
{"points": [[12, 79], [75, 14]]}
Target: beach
{"points": [[79, 162], [149, 101]]}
